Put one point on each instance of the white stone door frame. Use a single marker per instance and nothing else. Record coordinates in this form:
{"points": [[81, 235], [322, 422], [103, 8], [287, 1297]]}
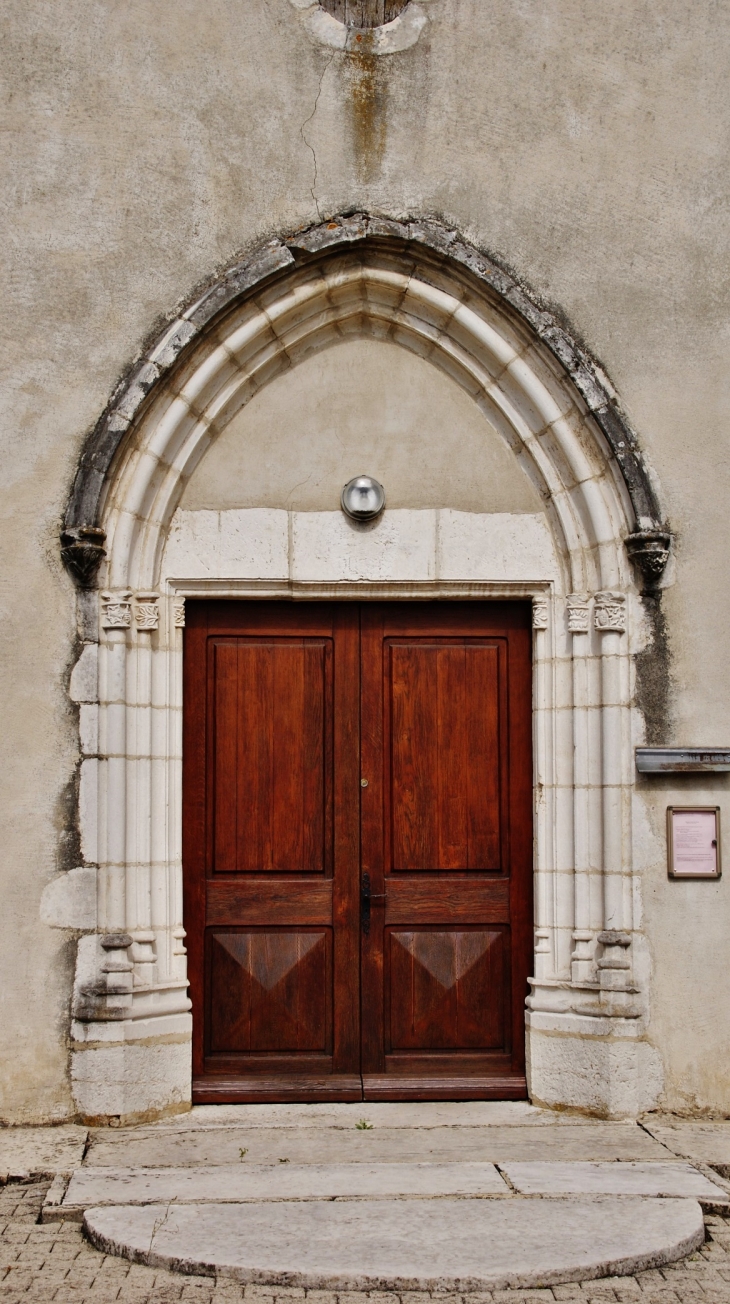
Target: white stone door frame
{"points": [[423, 291]]}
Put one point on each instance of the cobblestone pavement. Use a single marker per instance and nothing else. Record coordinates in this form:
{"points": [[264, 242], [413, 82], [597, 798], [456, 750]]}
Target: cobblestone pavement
{"points": [[54, 1262]]}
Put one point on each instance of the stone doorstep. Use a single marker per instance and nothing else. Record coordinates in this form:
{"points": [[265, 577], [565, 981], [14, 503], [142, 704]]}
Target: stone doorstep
{"points": [[608, 1204], [587, 1140], [405, 1244], [260, 1183]]}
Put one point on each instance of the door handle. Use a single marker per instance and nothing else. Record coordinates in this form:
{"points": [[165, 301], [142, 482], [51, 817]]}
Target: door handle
{"points": [[366, 897]]}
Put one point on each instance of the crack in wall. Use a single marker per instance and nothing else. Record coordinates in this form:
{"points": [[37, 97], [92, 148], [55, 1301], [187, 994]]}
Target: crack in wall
{"points": [[313, 187]]}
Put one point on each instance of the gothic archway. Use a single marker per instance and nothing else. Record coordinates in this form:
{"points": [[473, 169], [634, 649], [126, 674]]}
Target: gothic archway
{"points": [[423, 289]]}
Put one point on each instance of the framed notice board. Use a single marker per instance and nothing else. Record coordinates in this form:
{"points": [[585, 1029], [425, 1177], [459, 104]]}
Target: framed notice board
{"points": [[693, 841]]}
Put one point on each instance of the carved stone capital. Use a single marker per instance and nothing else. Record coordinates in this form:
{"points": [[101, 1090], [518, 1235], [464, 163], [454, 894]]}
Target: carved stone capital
{"points": [[143, 954], [82, 552], [578, 607], [614, 963], [116, 941], [649, 551], [615, 937], [539, 613], [109, 997], [583, 960], [178, 613], [610, 612], [116, 610], [118, 969], [146, 611]]}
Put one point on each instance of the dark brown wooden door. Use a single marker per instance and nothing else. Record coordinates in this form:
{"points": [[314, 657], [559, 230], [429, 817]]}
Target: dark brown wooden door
{"points": [[357, 849], [447, 846], [271, 849]]}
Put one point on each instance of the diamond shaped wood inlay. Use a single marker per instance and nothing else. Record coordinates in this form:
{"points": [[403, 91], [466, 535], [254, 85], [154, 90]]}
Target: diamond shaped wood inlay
{"points": [[446, 989], [269, 991]]}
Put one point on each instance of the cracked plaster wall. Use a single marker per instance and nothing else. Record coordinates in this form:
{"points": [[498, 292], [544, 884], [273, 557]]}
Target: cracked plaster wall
{"points": [[146, 144]]}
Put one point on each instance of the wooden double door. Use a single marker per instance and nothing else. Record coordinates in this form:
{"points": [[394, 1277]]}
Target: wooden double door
{"points": [[357, 849]]}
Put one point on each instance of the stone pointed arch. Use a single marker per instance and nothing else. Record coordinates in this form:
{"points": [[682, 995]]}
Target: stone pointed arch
{"points": [[422, 289], [472, 279]]}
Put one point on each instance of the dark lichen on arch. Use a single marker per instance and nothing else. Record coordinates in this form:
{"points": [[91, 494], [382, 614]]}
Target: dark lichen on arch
{"points": [[654, 686]]}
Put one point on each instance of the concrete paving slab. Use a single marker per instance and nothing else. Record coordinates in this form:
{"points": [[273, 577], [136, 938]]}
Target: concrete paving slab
{"points": [[41, 1151], [657, 1179], [707, 1143], [245, 1182], [445, 1244], [138, 1148]]}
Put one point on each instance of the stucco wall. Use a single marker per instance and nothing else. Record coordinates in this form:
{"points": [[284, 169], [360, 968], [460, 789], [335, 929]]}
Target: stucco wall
{"points": [[147, 144], [362, 404]]}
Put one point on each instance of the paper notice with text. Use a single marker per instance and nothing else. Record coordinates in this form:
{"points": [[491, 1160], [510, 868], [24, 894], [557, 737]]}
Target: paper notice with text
{"points": [[694, 842]]}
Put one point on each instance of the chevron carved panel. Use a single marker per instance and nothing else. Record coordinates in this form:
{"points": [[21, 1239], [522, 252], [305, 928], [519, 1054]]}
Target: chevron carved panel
{"points": [[269, 991], [447, 989]]}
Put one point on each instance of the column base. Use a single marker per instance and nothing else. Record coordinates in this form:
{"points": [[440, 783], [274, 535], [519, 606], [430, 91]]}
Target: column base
{"points": [[598, 1066], [120, 1077]]}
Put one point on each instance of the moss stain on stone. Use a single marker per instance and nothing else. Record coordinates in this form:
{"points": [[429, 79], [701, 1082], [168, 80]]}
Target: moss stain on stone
{"points": [[368, 100]]}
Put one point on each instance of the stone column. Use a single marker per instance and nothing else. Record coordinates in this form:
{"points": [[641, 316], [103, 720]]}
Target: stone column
{"points": [[582, 959], [140, 813], [131, 1022], [545, 961], [614, 961], [115, 620]]}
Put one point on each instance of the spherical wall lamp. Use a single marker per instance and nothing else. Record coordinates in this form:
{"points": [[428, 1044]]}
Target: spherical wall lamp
{"points": [[363, 498]]}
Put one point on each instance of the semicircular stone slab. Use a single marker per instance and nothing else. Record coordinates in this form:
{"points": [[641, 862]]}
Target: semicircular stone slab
{"points": [[442, 1244]]}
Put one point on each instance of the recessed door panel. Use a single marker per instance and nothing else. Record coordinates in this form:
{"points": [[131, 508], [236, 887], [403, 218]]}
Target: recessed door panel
{"points": [[444, 784], [272, 755]]}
